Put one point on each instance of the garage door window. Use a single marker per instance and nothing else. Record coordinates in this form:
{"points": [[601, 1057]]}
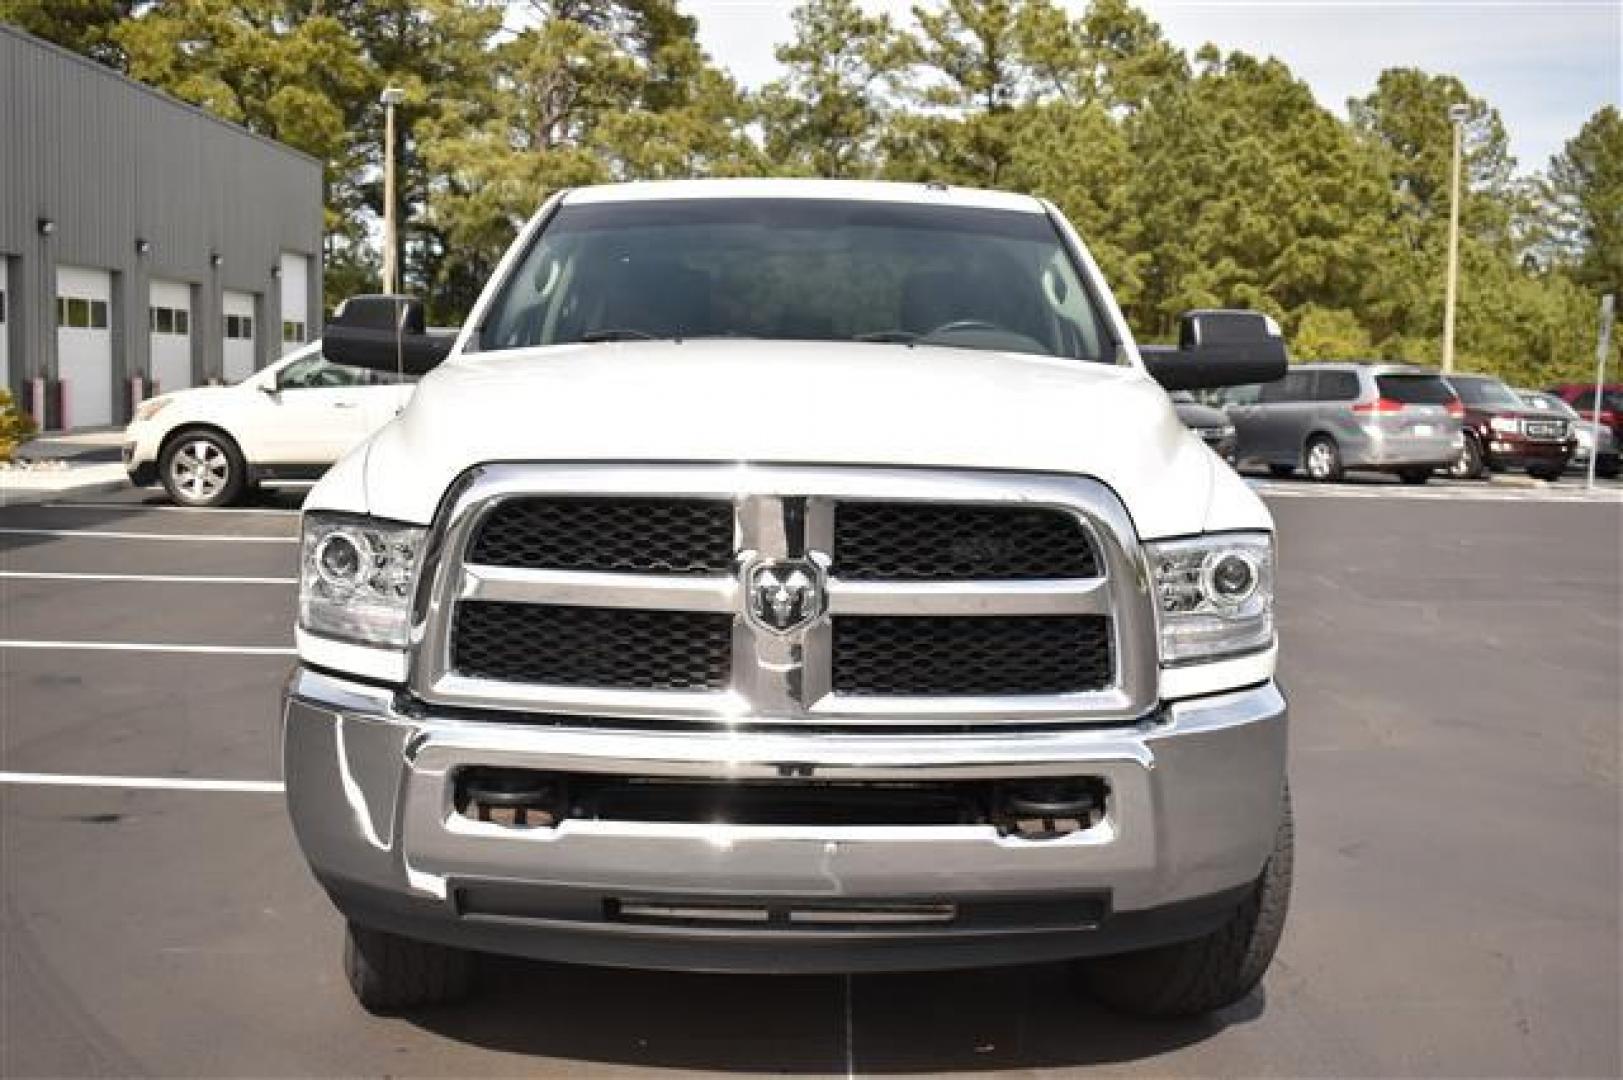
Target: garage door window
{"points": [[292, 332], [166, 320], [80, 313], [239, 327]]}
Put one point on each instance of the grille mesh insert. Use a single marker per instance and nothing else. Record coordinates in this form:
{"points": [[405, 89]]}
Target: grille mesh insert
{"points": [[627, 536], [581, 646], [932, 542], [971, 654]]}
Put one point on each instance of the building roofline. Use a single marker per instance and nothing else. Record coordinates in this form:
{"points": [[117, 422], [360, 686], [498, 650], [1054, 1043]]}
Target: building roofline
{"points": [[102, 69]]}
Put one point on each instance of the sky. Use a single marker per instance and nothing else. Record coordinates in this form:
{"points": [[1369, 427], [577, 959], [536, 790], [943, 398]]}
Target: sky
{"points": [[1547, 65]]}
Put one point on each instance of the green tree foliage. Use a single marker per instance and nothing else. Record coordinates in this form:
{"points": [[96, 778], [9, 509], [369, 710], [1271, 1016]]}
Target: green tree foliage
{"points": [[1197, 181], [1584, 202], [825, 116], [85, 26]]}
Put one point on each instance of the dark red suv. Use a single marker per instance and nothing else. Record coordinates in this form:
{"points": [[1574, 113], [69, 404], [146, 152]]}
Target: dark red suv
{"points": [[1503, 432], [1581, 396]]}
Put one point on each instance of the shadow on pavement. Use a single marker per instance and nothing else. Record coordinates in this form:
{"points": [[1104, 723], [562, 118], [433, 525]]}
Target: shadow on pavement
{"points": [[1009, 1018]]}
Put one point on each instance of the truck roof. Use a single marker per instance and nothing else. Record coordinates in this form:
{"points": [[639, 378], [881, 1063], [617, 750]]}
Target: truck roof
{"points": [[759, 188]]}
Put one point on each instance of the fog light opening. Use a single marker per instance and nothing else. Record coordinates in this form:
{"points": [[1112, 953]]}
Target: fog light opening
{"points": [[513, 797], [1050, 808]]}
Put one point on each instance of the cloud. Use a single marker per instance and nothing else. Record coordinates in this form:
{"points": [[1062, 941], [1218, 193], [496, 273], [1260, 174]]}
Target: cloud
{"points": [[1547, 65]]}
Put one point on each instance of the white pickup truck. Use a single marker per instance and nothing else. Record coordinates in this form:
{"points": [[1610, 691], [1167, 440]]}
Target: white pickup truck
{"points": [[794, 576]]}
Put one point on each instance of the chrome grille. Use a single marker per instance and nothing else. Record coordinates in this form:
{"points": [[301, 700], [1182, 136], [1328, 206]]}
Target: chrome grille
{"points": [[889, 541], [1006, 631], [583, 646], [633, 536], [971, 654], [1551, 430]]}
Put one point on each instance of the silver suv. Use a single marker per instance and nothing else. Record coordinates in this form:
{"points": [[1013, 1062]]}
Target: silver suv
{"points": [[1328, 418]]}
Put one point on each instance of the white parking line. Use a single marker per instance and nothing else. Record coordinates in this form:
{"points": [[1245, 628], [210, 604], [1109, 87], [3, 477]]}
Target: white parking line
{"points": [[142, 783], [145, 507], [95, 534], [166, 579], [124, 646]]}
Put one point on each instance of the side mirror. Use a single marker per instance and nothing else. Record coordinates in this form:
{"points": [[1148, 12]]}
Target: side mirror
{"points": [[383, 333], [1219, 348]]}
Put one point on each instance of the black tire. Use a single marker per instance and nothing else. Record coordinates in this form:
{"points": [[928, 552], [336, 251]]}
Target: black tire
{"points": [[1196, 977], [1281, 471], [202, 467], [1414, 476], [389, 973], [1550, 475], [1469, 465], [1607, 472], [1322, 460]]}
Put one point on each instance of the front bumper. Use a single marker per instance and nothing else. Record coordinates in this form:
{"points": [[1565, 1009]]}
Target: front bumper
{"points": [[1194, 803], [139, 454], [1516, 451]]}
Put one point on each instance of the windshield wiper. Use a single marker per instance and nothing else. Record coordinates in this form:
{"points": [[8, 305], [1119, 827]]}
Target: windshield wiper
{"points": [[900, 337], [593, 336]]}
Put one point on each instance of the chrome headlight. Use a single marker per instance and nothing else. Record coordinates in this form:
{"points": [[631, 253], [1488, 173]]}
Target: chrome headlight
{"points": [[356, 577], [1214, 595]]}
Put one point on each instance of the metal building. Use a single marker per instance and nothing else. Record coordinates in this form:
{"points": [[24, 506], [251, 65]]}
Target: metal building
{"points": [[145, 245]]}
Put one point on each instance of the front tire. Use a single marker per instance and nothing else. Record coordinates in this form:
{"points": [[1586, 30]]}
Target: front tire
{"points": [[1323, 460], [203, 468], [1196, 977], [388, 973]]}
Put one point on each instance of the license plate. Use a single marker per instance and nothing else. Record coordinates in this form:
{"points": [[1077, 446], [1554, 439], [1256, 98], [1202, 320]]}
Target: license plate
{"points": [[1543, 431], [1424, 429]]}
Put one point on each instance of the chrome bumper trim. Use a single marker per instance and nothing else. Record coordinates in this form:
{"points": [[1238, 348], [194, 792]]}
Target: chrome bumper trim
{"points": [[1194, 802]]}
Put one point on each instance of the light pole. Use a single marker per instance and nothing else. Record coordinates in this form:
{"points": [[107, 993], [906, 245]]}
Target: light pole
{"points": [[392, 96], [1457, 115]]}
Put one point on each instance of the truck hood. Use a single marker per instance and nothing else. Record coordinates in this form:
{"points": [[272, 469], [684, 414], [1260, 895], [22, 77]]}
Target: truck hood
{"points": [[792, 402]]}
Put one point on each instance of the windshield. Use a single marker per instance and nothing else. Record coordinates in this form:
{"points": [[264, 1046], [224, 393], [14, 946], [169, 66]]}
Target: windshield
{"points": [[1489, 393], [801, 270], [1549, 403]]}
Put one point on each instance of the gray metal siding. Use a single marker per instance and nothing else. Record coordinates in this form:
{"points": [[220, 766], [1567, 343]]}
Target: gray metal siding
{"points": [[109, 161]]}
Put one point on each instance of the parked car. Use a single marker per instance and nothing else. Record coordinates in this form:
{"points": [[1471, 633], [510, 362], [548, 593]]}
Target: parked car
{"points": [[1503, 432], [1212, 424], [655, 634], [1594, 438], [1581, 396], [1328, 418], [285, 424]]}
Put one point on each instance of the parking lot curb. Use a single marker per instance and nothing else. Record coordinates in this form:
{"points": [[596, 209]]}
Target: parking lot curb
{"points": [[67, 487], [1518, 482]]}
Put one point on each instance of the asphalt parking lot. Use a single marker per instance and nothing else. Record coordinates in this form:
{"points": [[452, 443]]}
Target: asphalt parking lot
{"points": [[1454, 672]]}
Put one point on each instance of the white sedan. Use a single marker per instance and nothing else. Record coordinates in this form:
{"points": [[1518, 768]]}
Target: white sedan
{"points": [[284, 424]]}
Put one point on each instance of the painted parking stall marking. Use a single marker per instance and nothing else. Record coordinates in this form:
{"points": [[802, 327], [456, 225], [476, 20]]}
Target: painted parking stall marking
{"points": [[141, 783], [100, 534]]}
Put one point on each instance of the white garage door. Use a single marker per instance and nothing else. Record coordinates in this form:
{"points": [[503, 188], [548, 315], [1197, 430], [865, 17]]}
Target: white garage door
{"points": [[239, 335], [295, 302], [169, 322], [5, 328], [84, 346]]}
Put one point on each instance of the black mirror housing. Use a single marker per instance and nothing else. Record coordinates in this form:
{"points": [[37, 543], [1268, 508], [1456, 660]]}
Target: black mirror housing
{"points": [[1219, 348], [383, 332]]}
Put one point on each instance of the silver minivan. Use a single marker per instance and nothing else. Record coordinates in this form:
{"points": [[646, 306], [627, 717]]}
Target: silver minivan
{"points": [[1328, 418]]}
